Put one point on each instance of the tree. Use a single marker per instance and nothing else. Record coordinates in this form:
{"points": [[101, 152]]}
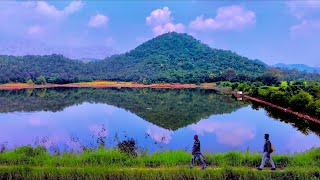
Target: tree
{"points": [[229, 74], [280, 98], [29, 81], [41, 80], [301, 100]]}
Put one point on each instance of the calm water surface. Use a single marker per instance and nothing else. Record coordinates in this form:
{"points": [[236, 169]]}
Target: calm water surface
{"points": [[159, 119]]}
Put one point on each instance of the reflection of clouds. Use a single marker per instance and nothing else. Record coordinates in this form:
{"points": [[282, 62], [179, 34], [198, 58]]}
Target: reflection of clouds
{"points": [[110, 109], [229, 133], [159, 134], [299, 143], [34, 121], [98, 130]]}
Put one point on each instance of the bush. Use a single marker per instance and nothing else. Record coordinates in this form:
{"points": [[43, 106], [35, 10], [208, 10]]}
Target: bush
{"points": [[29, 81], [280, 98], [41, 80], [300, 101]]}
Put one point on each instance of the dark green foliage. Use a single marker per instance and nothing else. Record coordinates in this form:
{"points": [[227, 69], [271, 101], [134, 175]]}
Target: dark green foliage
{"points": [[128, 147], [301, 100], [301, 96], [176, 57], [171, 57], [41, 80]]}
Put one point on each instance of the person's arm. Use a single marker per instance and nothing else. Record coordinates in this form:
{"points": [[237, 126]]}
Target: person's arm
{"points": [[268, 148], [194, 148]]}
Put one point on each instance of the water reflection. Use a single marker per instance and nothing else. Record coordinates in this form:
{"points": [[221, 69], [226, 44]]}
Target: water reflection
{"points": [[229, 133], [157, 118]]}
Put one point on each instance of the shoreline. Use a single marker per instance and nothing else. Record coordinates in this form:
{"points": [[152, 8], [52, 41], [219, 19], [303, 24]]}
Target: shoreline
{"points": [[98, 84], [114, 84]]}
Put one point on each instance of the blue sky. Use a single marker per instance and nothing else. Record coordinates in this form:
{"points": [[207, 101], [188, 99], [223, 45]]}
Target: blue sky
{"points": [[272, 31]]}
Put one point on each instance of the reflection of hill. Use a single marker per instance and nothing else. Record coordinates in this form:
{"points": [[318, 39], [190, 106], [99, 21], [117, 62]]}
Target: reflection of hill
{"points": [[302, 125], [168, 108]]}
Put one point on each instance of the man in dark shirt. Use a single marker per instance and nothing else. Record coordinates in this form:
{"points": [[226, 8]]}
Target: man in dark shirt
{"points": [[267, 153], [196, 153]]}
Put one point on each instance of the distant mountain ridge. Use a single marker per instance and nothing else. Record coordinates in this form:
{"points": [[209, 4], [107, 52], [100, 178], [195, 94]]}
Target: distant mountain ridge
{"points": [[300, 67]]}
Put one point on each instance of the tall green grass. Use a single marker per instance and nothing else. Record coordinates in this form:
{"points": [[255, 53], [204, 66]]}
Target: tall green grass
{"points": [[39, 156], [28, 162], [233, 173]]}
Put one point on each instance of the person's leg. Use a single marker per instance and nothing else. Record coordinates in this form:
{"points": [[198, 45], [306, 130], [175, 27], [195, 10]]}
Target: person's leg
{"points": [[202, 161], [192, 161], [264, 157], [271, 162]]}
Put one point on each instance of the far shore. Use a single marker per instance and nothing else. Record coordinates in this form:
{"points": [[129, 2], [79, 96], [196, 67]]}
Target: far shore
{"points": [[102, 84], [114, 84]]}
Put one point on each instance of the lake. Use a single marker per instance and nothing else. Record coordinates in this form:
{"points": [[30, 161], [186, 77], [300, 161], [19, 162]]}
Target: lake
{"points": [[158, 119]]}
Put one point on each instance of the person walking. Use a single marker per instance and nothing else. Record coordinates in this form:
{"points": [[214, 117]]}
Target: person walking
{"points": [[267, 150], [196, 153]]}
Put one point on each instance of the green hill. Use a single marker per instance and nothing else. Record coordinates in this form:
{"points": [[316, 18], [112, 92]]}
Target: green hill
{"points": [[171, 57], [174, 57]]}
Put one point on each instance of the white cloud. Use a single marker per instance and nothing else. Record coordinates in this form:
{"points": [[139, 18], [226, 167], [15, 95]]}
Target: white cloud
{"points": [[161, 22], [98, 20], [73, 7], [227, 18], [308, 14], [305, 27], [301, 9], [169, 27], [35, 30], [159, 17], [44, 8]]}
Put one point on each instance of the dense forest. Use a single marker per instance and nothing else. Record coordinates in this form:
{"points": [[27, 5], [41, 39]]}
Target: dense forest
{"points": [[171, 57]]}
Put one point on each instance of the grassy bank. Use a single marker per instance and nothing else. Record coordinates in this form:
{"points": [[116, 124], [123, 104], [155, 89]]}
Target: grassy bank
{"points": [[23, 172], [36, 163]]}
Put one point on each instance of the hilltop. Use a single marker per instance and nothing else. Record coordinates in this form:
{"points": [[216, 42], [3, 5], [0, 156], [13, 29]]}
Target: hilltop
{"points": [[171, 57], [174, 57]]}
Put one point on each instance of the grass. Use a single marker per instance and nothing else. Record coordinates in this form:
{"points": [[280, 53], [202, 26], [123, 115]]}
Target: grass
{"points": [[28, 162], [38, 156], [99, 83], [16, 84], [23, 172]]}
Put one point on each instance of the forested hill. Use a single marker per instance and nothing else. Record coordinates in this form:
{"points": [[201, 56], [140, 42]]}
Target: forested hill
{"points": [[174, 57], [171, 57]]}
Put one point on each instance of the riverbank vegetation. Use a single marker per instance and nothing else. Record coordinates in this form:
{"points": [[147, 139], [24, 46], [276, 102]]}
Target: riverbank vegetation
{"points": [[28, 162], [301, 96]]}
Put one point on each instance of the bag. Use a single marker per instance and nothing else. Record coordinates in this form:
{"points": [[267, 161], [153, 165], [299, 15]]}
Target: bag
{"points": [[271, 147]]}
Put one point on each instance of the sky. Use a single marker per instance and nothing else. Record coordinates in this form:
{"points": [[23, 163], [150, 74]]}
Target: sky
{"points": [[271, 31]]}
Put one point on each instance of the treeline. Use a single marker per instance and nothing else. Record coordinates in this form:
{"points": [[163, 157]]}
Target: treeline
{"points": [[301, 96], [42, 69], [171, 57]]}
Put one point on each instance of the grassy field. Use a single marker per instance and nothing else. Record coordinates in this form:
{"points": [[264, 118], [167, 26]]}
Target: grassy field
{"points": [[36, 163]]}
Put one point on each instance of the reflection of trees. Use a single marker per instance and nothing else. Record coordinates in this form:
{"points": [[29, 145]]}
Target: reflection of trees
{"points": [[303, 125], [168, 108]]}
